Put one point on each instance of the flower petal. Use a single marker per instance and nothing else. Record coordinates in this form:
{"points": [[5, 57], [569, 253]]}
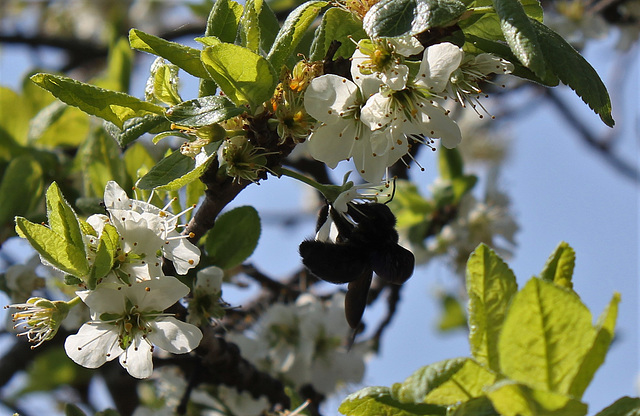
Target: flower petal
{"points": [[438, 62], [173, 335], [157, 294], [332, 143], [137, 359], [328, 96], [182, 253], [93, 345]]}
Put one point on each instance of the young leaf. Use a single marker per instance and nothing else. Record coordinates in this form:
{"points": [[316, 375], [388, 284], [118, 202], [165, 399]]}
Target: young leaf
{"points": [[249, 28], [452, 314], [624, 406], [445, 383], [292, 32], [545, 337], [559, 267], [521, 35], [175, 171], [53, 248], [203, 111], [378, 401], [510, 398], [391, 18], [100, 158], [234, 237], [337, 24], [20, 187], [183, 56], [137, 157], [490, 285], [574, 71], [594, 358], [105, 255], [135, 127], [244, 77], [480, 406], [223, 20], [112, 106], [62, 220]]}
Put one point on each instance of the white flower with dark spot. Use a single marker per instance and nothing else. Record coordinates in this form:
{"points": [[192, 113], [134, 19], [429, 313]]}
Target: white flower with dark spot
{"points": [[128, 321]]}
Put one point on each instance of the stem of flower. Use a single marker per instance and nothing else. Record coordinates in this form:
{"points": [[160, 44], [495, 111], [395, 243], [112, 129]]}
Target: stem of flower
{"points": [[73, 302], [330, 192]]}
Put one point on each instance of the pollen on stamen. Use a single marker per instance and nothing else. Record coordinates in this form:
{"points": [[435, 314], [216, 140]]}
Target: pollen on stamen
{"points": [[147, 289], [191, 261]]}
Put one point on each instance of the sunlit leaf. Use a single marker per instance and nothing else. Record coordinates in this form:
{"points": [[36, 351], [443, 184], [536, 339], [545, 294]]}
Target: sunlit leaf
{"points": [[203, 111], [514, 399], [490, 285], [559, 266], [378, 401], [175, 171]]}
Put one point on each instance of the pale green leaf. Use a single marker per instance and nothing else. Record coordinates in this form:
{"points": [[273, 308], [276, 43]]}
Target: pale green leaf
{"points": [[175, 171], [53, 248], [119, 64], [465, 384], [480, 406], [234, 237], [545, 337], [21, 187], [594, 358], [100, 159], [486, 24], [574, 71], [62, 220], [105, 256], [337, 24], [490, 286], [223, 20], [203, 111], [379, 402], [135, 127], [244, 77], [513, 399], [59, 125], [416, 387], [249, 27], [112, 106], [135, 157], [559, 266], [183, 56], [452, 315], [624, 406], [194, 191], [292, 31], [391, 18]]}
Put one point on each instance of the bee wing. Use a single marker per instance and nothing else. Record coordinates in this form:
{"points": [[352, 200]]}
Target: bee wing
{"points": [[393, 263], [334, 263], [356, 298]]}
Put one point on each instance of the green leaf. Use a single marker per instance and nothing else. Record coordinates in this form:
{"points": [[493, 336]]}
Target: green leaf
{"points": [[119, 64], [416, 387], [445, 383], [195, 190], [112, 106], [269, 27], [105, 255], [513, 399], [223, 20], [53, 247], [62, 220], [135, 127], [203, 111], [521, 36], [52, 369], [20, 188], [545, 337], [249, 28], [574, 71], [490, 286], [340, 25], [378, 401], [175, 171], [480, 406], [450, 163], [137, 157], [559, 266], [409, 207], [452, 314], [477, 45], [234, 237], [99, 158], [391, 18], [624, 406], [486, 24], [244, 77], [594, 358], [71, 409], [183, 56], [292, 32]]}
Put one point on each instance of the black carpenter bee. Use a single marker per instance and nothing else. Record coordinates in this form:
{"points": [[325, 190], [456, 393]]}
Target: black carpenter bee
{"points": [[366, 242]]}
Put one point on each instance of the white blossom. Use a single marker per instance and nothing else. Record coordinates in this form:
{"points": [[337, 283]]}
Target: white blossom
{"points": [[175, 247], [127, 321]]}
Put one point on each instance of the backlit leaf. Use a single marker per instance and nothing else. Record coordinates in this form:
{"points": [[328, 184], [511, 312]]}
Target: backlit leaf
{"points": [[378, 401], [234, 237], [559, 266]]}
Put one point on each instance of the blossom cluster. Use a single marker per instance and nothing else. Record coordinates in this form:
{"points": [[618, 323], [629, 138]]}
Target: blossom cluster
{"points": [[387, 104], [126, 304], [303, 344]]}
